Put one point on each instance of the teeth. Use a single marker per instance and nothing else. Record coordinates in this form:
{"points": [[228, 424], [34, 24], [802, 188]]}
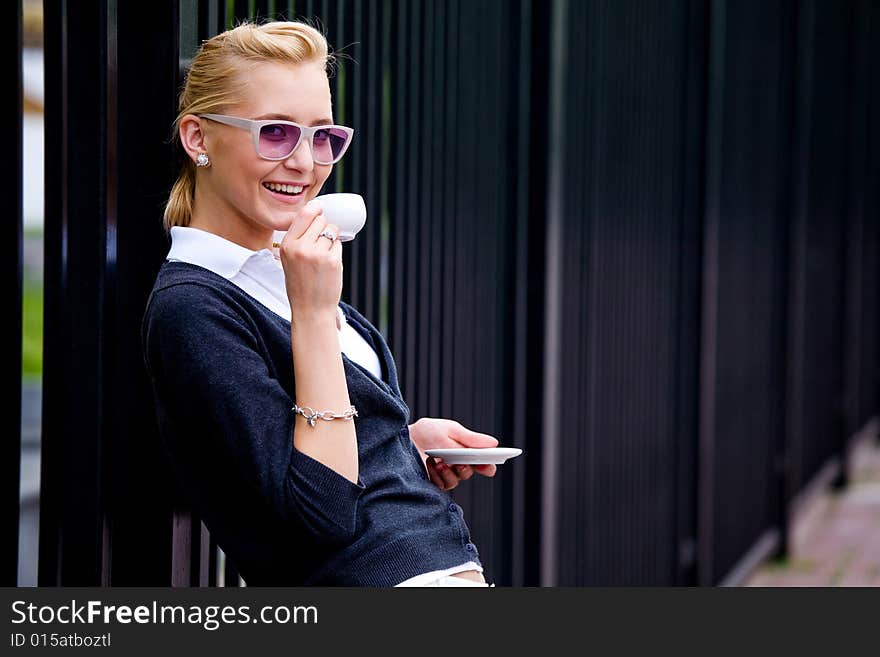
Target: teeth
{"points": [[286, 189]]}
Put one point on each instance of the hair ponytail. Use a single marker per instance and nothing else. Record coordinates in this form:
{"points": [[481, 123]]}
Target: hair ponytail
{"points": [[178, 210]]}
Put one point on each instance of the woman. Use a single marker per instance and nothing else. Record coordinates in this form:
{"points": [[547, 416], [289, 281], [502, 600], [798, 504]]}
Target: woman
{"points": [[278, 404]]}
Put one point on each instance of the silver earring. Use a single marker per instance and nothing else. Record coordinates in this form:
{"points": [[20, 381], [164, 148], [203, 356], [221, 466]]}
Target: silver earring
{"points": [[202, 160]]}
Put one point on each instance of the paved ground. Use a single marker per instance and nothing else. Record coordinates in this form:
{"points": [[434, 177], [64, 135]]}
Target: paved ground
{"points": [[836, 539]]}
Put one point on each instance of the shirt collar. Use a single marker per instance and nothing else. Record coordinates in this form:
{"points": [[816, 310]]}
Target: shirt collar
{"points": [[199, 247], [225, 258]]}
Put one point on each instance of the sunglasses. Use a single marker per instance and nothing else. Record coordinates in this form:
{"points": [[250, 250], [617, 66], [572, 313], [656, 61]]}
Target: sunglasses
{"points": [[277, 140]]}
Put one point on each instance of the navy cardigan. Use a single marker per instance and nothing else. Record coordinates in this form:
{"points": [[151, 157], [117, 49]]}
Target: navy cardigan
{"points": [[222, 375]]}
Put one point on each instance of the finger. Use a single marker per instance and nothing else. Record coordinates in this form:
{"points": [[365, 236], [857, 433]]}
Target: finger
{"points": [[464, 472], [336, 250], [487, 470], [433, 475], [450, 479], [314, 230], [332, 229], [436, 470], [304, 219], [469, 438]]}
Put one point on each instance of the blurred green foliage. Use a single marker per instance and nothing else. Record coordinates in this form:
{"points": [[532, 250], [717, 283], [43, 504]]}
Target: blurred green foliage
{"points": [[32, 328]]}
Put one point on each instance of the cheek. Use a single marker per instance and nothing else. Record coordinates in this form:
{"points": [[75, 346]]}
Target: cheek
{"points": [[322, 172], [244, 176], [240, 186], [236, 186]]}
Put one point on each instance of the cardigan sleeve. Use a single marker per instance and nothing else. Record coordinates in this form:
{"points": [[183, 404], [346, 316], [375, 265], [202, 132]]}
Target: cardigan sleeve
{"points": [[227, 420]]}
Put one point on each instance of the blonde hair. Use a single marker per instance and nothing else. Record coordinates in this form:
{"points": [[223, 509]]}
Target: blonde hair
{"points": [[216, 79]]}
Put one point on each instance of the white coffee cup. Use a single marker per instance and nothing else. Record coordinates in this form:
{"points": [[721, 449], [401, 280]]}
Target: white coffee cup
{"points": [[346, 210]]}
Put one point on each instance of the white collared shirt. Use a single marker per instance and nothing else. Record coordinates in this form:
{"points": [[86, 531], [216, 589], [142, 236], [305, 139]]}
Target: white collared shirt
{"points": [[259, 274]]}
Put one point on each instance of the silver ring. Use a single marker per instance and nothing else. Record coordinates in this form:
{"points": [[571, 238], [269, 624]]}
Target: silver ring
{"points": [[330, 236]]}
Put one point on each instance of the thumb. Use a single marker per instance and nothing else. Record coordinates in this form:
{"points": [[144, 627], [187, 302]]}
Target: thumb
{"points": [[469, 438]]}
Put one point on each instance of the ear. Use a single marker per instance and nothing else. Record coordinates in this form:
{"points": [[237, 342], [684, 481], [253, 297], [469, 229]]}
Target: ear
{"points": [[191, 136]]}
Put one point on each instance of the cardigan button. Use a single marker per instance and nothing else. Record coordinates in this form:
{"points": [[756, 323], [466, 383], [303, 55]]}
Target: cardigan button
{"points": [[470, 547], [453, 508]]}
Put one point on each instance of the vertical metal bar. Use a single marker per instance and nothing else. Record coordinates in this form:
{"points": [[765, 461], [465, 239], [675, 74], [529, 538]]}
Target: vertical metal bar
{"points": [[553, 293], [191, 559], [142, 92], [434, 362], [212, 18], [111, 394], [426, 216], [324, 15], [859, 359], [182, 542], [584, 96], [709, 336], [820, 202], [103, 247], [457, 283], [213, 562], [53, 121], [372, 121], [337, 36], [853, 238], [205, 557], [693, 203], [416, 64], [241, 10], [456, 323], [575, 271], [870, 398], [526, 312], [179, 575], [261, 10], [530, 74], [782, 446], [10, 168], [356, 167], [72, 516], [744, 292], [398, 225], [385, 90], [344, 112]]}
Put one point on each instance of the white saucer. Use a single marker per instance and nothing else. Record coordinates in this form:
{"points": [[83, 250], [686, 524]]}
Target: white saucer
{"points": [[475, 455]]}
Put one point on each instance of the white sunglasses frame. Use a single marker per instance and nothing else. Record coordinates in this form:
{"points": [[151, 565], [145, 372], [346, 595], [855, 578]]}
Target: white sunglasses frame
{"points": [[304, 131]]}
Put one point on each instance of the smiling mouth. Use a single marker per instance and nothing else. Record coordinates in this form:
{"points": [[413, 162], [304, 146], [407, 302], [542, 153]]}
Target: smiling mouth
{"points": [[287, 190]]}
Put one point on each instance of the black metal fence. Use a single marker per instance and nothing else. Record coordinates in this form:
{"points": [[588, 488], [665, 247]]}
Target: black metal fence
{"points": [[11, 204], [638, 240]]}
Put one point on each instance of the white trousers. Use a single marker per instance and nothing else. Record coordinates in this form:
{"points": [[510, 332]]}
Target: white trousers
{"points": [[449, 581]]}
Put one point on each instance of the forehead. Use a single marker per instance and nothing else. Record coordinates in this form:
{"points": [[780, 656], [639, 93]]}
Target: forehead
{"points": [[299, 92]]}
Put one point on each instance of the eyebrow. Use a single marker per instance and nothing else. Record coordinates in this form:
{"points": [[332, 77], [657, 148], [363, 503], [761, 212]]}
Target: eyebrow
{"points": [[285, 117]]}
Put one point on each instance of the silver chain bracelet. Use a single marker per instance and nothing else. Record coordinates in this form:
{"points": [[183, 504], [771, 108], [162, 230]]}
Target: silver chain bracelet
{"points": [[310, 414]]}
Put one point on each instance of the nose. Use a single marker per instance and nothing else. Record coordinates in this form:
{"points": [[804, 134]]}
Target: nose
{"points": [[301, 158]]}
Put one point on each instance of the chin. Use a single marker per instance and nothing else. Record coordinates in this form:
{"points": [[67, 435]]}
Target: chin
{"points": [[282, 223], [279, 218]]}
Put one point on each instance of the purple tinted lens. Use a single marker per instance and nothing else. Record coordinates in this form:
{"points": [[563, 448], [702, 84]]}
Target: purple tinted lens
{"points": [[328, 144], [278, 140]]}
